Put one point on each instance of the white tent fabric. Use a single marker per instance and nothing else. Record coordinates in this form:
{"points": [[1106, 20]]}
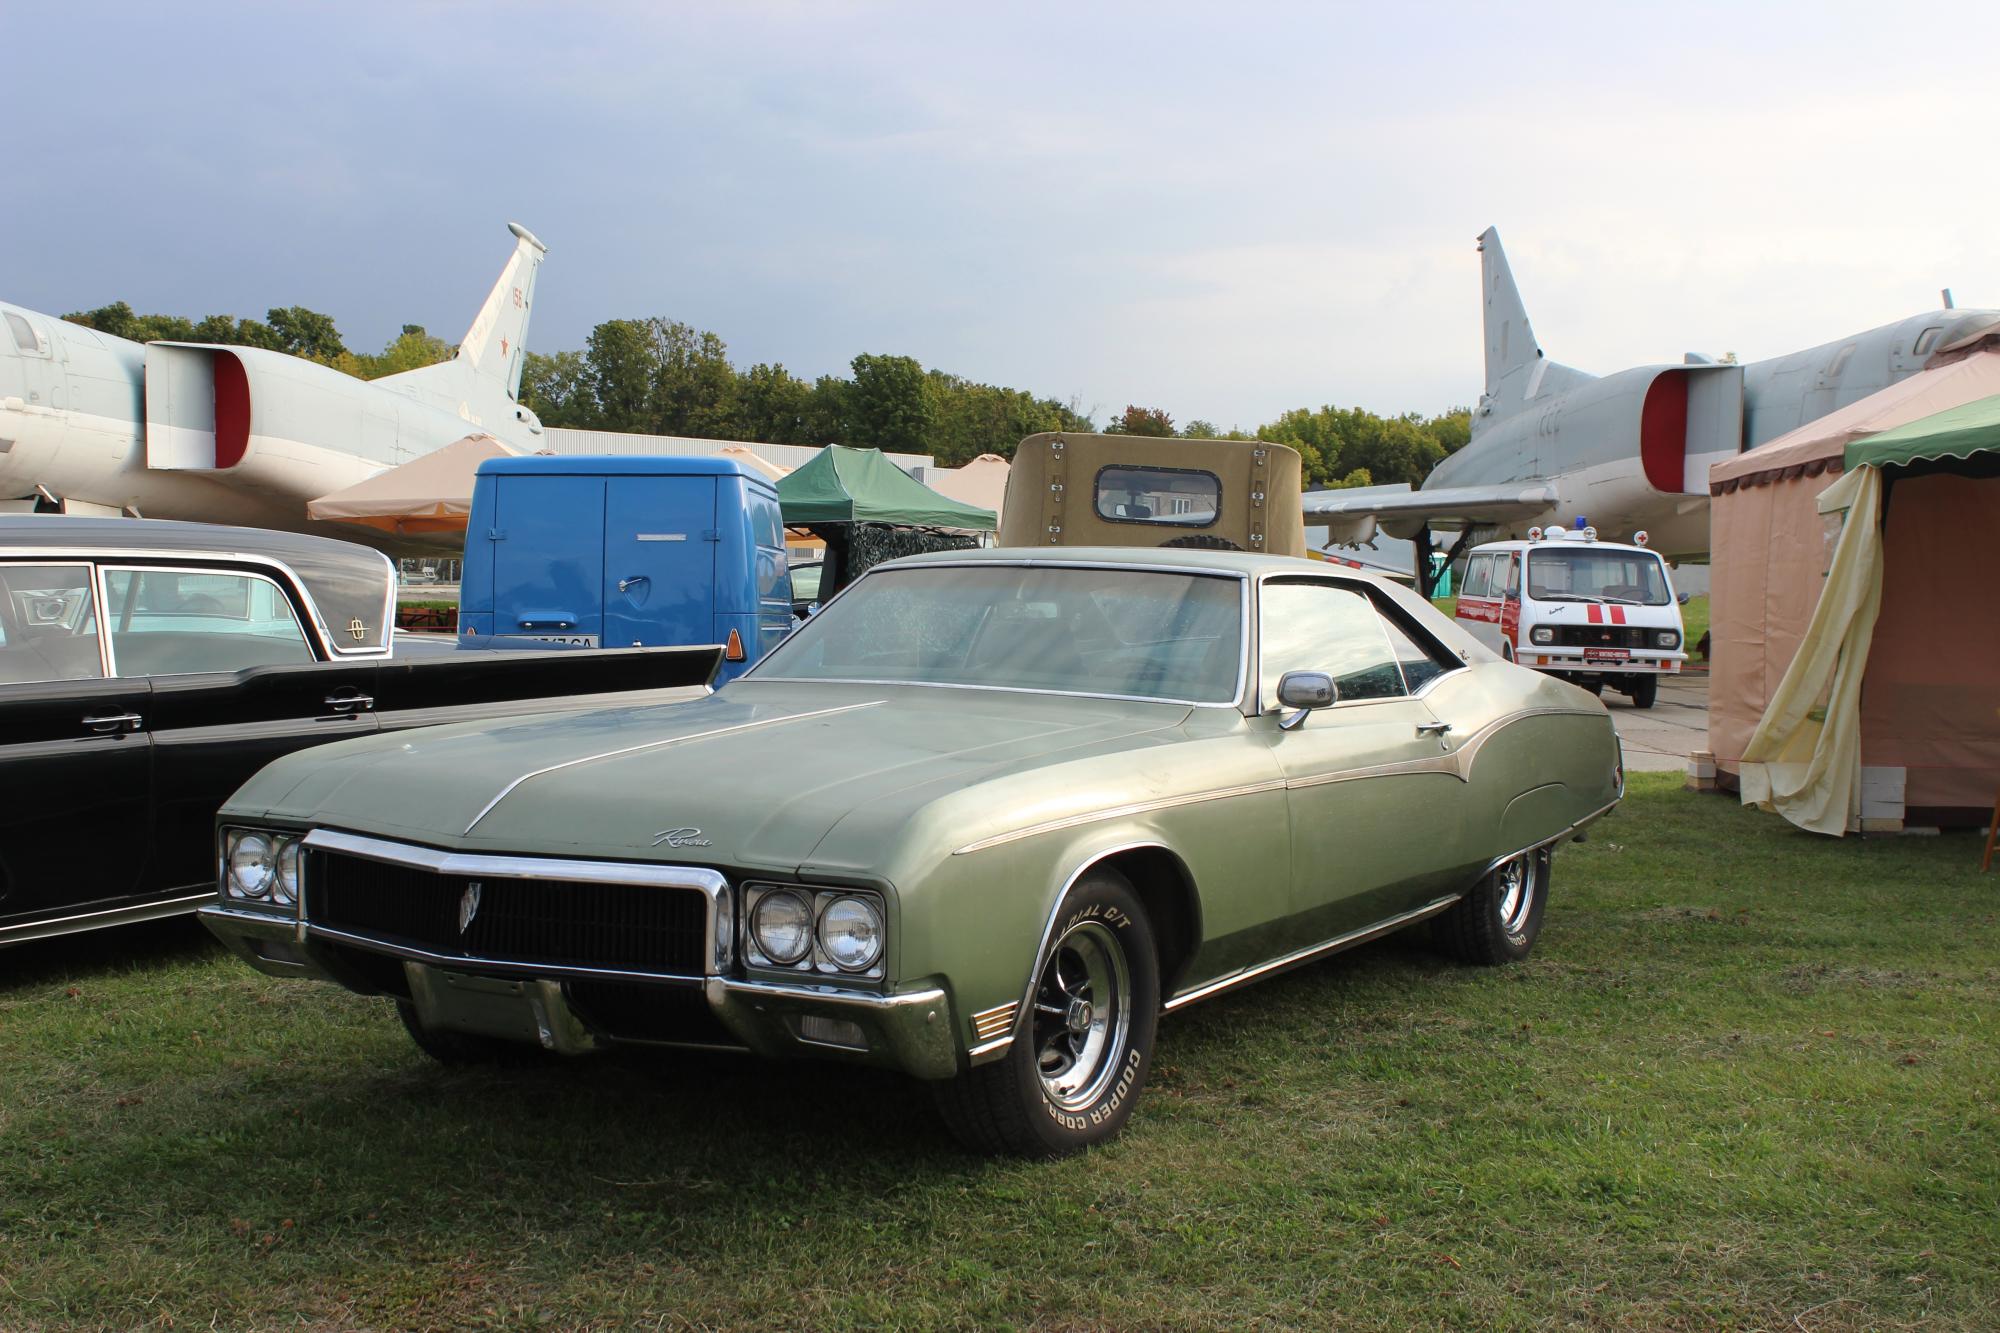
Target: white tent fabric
{"points": [[1804, 759]]}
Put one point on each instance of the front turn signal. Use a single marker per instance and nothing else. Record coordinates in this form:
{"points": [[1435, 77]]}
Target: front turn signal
{"points": [[734, 651]]}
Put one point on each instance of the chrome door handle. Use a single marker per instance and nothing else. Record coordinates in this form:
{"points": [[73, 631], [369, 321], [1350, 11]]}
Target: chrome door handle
{"points": [[350, 703], [1437, 729], [110, 722], [625, 584]]}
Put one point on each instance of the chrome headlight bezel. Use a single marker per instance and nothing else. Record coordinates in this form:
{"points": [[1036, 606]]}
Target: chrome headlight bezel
{"points": [[816, 961], [763, 928], [279, 855]]}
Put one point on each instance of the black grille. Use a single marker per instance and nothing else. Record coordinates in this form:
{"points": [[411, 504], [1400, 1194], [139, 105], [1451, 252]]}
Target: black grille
{"points": [[1603, 636], [627, 927]]}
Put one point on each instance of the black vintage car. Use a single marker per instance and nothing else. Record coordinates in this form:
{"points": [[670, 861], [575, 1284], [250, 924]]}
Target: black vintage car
{"points": [[147, 669]]}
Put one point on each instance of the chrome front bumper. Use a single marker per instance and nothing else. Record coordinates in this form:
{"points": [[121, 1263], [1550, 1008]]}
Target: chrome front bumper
{"points": [[909, 1030]]}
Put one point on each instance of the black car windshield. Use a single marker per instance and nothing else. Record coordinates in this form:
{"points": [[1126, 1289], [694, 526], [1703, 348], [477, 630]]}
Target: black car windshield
{"points": [[1077, 630], [1597, 575]]}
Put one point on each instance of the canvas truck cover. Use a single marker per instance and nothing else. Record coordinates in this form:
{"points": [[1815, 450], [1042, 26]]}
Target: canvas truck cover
{"points": [[1137, 490]]}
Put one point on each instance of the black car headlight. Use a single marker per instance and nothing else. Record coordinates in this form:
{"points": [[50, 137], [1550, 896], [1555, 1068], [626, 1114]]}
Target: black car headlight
{"points": [[260, 867], [1542, 634], [1668, 638]]}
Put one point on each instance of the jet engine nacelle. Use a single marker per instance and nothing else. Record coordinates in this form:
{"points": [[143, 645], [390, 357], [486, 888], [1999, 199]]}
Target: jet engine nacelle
{"points": [[1663, 425], [277, 421]]}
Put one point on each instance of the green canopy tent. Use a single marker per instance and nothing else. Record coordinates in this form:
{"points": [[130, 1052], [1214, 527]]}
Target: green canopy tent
{"points": [[843, 485], [866, 509], [1968, 434]]}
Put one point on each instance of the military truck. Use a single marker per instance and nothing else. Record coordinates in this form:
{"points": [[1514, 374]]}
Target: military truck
{"points": [[1134, 490]]}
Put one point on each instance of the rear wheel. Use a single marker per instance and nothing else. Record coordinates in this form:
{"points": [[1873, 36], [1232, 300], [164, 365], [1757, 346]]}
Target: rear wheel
{"points": [[1081, 1052], [1498, 921], [1643, 690]]}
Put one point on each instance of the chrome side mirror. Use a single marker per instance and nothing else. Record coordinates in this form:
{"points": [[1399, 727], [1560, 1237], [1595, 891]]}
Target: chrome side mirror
{"points": [[1304, 691]]}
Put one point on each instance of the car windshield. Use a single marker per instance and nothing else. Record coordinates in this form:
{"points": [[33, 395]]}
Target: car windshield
{"points": [[1597, 575], [1077, 630]]}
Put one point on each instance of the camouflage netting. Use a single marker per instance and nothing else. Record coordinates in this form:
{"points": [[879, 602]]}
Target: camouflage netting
{"points": [[872, 543]]}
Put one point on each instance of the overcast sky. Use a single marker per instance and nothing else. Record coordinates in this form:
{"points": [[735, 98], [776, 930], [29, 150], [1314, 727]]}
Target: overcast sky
{"points": [[1221, 210]]}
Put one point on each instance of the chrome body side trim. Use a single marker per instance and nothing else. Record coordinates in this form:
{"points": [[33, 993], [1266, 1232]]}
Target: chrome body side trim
{"points": [[1309, 953], [511, 787], [130, 914]]}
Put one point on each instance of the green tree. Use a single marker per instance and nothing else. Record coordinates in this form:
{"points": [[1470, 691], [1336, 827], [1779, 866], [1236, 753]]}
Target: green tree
{"points": [[694, 386], [773, 406], [303, 332], [887, 406], [622, 363], [557, 389], [1135, 420]]}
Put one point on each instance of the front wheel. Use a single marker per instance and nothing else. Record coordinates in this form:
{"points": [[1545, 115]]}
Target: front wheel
{"points": [[1497, 922], [1081, 1052], [1643, 690]]}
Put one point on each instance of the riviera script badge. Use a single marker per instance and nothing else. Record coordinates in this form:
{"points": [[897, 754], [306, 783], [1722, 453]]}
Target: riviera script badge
{"points": [[680, 837]]}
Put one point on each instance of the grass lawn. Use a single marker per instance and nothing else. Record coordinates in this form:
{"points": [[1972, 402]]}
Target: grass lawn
{"points": [[1748, 1080]]}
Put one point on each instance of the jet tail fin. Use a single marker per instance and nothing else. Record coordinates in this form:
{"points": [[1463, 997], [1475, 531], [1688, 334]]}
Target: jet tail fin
{"points": [[491, 348], [1510, 341]]}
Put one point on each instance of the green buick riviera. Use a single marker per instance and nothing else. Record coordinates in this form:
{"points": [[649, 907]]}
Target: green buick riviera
{"points": [[983, 819]]}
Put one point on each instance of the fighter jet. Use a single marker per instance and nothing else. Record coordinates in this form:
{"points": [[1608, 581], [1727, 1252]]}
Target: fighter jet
{"points": [[94, 424], [1626, 452]]}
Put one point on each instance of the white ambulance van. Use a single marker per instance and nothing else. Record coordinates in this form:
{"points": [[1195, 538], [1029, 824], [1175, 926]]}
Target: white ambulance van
{"points": [[1594, 613]]}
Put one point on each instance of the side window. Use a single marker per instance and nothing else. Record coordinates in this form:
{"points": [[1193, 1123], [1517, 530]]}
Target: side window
{"points": [[25, 336], [764, 517], [167, 622], [1422, 663], [48, 624], [1926, 341], [1478, 574], [1310, 626]]}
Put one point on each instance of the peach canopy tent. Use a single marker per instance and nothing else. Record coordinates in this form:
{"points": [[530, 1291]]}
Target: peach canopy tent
{"points": [[431, 494], [1856, 673]]}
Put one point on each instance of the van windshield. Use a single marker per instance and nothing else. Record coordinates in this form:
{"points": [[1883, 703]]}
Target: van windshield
{"points": [[1072, 630], [1594, 574]]}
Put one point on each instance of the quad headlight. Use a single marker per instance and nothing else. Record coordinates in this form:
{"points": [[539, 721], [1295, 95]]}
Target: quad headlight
{"points": [[782, 925], [260, 867], [1668, 638], [814, 930], [850, 933]]}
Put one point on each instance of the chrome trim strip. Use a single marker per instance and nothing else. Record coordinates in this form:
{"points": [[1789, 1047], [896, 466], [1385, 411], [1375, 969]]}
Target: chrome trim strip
{"points": [[130, 914], [998, 689], [456, 963], [1308, 954], [1567, 833], [710, 883], [991, 1050], [1119, 812], [871, 1002], [509, 789]]}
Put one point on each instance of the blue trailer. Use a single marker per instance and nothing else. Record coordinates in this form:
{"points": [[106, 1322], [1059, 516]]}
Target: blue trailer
{"points": [[624, 552]]}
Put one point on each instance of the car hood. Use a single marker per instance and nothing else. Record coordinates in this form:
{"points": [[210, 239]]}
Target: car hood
{"points": [[756, 775]]}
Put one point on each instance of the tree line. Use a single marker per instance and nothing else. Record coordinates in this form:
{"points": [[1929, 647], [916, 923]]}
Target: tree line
{"points": [[662, 377]]}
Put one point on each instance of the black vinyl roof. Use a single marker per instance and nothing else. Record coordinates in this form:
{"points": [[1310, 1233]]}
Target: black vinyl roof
{"points": [[345, 582]]}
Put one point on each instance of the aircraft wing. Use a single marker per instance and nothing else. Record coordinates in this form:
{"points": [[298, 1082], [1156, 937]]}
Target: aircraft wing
{"points": [[1353, 515]]}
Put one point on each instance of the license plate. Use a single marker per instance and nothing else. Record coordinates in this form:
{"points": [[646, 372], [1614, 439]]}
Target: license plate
{"points": [[574, 640], [1606, 655]]}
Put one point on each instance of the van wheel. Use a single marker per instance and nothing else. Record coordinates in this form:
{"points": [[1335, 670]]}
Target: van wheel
{"points": [[1081, 1052], [1643, 691]]}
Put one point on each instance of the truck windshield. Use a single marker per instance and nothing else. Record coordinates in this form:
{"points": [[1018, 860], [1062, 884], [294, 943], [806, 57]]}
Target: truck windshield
{"points": [[1077, 630], [1597, 575]]}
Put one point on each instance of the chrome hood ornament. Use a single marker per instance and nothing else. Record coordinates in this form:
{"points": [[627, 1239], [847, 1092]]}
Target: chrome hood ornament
{"points": [[468, 906]]}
